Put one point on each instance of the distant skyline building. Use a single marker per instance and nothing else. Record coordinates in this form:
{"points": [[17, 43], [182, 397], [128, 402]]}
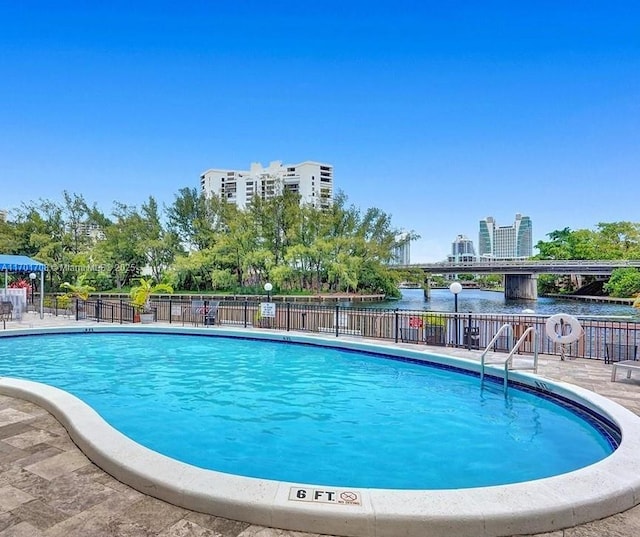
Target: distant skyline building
{"points": [[462, 250], [85, 229], [313, 181], [505, 242], [401, 252], [3, 215]]}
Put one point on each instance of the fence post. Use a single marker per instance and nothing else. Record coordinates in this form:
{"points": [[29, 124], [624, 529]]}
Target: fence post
{"points": [[288, 316], [397, 322], [246, 311], [337, 320], [121, 320], [77, 304], [98, 310], [170, 310]]}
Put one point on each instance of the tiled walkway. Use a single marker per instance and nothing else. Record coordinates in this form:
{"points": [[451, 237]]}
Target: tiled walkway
{"points": [[48, 488]]}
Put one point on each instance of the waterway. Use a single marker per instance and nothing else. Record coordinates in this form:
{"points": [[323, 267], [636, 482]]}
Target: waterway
{"points": [[478, 301]]}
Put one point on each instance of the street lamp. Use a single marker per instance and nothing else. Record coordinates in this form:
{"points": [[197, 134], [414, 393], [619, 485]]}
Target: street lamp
{"points": [[32, 277], [455, 288], [267, 288]]}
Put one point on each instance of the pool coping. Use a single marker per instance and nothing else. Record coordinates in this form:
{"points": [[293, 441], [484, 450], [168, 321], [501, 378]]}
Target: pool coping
{"points": [[602, 489]]}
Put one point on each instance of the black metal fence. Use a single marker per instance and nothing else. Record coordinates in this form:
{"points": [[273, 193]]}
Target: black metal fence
{"points": [[96, 310], [608, 340]]}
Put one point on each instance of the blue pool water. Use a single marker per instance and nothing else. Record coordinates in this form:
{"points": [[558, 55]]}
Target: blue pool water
{"points": [[309, 414]]}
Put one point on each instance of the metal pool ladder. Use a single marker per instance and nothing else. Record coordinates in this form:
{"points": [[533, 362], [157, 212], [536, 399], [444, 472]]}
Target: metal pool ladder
{"points": [[511, 361]]}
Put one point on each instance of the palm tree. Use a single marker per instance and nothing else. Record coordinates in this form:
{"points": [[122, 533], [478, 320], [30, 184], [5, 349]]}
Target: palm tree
{"points": [[141, 293], [78, 290]]}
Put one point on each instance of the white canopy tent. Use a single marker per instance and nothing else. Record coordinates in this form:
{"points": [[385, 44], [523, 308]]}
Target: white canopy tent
{"points": [[22, 263]]}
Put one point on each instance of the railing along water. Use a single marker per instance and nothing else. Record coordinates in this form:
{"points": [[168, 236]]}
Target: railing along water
{"points": [[473, 331]]}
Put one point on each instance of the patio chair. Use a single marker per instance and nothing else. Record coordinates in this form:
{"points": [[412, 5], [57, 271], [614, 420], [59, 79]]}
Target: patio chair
{"points": [[618, 352], [205, 311], [211, 312]]}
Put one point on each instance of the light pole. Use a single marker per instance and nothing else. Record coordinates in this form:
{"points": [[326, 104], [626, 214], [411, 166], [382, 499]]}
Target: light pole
{"points": [[32, 277], [267, 288], [455, 288]]}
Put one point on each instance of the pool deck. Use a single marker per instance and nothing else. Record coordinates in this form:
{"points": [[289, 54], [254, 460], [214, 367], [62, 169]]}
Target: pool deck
{"points": [[49, 488]]}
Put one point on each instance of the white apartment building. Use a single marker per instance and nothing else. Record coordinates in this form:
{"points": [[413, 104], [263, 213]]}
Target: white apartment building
{"points": [[3, 215], [313, 181], [401, 252], [84, 229]]}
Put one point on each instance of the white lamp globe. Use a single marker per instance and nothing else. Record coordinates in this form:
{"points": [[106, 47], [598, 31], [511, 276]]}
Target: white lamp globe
{"points": [[268, 287], [455, 288]]}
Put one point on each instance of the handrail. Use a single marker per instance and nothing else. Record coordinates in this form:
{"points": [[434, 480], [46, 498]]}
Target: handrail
{"points": [[529, 262], [503, 328], [508, 361]]}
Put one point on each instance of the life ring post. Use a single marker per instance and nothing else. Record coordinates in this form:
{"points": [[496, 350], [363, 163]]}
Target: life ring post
{"points": [[563, 329]]}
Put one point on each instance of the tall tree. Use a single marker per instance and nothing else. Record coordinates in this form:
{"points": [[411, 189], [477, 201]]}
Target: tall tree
{"points": [[121, 249], [236, 248], [75, 213], [195, 218], [557, 247], [619, 240], [158, 246]]}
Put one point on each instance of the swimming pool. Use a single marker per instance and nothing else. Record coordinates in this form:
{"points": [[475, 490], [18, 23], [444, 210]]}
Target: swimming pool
{"points": [[298, 503], [312, 414]]}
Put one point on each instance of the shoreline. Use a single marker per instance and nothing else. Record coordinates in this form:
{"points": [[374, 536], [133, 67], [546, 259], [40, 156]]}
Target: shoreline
{"points": [[321, 297], [590, 298]]}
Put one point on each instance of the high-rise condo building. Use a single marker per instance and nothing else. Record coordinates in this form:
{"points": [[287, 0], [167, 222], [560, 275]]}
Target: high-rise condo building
{"points": [[401, 251], [313, 181], [462, 250], [3, 215], [505, 242]]}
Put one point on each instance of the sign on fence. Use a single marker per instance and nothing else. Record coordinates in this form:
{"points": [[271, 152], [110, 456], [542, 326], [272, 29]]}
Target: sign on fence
{"points": [[267, 309]]}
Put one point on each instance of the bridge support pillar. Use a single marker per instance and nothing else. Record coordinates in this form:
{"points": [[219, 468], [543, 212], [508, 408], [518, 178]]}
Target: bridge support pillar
{"points": [[521, 286]]}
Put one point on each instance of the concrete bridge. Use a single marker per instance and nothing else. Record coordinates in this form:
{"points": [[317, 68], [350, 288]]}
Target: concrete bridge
{"points": [[520, 280]]}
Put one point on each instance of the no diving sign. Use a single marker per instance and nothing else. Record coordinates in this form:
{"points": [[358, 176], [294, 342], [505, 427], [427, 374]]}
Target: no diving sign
{"points": [[339, 497]]}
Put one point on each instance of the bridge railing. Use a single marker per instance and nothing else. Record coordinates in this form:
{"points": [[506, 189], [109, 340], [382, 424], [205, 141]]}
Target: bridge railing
{"points": [[534, 265]]}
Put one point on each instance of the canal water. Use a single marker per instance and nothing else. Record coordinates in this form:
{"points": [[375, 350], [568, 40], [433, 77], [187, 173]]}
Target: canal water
{"points": [[478, 301]]}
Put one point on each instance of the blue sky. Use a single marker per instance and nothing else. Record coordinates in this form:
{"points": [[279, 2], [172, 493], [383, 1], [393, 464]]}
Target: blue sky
{"points": [[438, 113]]}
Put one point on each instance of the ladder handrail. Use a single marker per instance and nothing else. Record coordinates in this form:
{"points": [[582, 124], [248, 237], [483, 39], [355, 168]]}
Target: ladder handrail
{"points": [[503, 328], [508, 361], [520, 341]]}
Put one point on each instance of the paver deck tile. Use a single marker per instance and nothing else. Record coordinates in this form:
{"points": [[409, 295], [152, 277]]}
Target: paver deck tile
{"points": [[48, 488]]}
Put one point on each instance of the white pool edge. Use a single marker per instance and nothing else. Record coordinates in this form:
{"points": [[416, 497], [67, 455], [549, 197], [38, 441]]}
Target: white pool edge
{"points": [[597, 491]]}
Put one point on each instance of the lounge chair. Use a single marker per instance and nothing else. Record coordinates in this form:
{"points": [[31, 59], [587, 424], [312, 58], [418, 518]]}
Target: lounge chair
{"points": [[211, 312], [618, 352], [205, 311]]}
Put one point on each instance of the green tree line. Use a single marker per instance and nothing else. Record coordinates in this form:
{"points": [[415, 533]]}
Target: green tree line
{"points": [[200, 244], [617, 240]]}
